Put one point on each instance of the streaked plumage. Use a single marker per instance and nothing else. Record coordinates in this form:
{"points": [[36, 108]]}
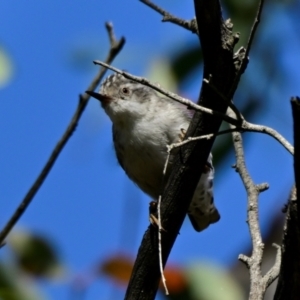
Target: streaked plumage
{"points": [[144, 123]]}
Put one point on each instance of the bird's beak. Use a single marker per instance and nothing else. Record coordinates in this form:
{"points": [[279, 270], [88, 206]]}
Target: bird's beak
{"points": [[102, 98]]}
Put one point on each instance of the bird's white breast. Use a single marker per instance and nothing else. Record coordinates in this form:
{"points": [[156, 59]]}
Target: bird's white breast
{"points": [[143, 148]]}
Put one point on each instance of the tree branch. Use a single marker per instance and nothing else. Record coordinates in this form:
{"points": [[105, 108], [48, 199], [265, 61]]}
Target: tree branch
{"points": [[169, 94], [249, 45], [288, 284], [295, 101], [246, 126], [273, 273], [115, 48], [258, 283], [217, 44], [167, 17], [240, 122]]}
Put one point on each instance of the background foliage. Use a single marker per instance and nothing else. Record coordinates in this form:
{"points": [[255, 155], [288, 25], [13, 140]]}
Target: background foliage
{"points": [[80, 235]]}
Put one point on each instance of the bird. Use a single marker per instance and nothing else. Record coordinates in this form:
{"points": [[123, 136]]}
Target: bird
{"points": [[144, 122]]}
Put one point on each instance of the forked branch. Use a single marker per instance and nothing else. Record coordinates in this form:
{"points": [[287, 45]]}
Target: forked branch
{"points": [[240, 122], [258, 282], [191, 158], [115, 48], [167, 17]]}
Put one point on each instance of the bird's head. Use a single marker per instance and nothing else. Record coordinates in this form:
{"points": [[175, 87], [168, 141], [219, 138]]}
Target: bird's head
{"points": [[122, 98]]}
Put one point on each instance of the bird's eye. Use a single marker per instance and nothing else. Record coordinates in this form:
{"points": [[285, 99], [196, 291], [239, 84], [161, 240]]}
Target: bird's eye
{"points": [[125, 90]]}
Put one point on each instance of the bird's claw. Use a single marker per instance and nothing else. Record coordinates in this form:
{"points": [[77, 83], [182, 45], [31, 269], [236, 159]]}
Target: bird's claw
{"points": [[152, 215], [182, 134]]}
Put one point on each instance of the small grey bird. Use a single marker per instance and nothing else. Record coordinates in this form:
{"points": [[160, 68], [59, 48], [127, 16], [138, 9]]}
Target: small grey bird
{"points": [[144, 123]]}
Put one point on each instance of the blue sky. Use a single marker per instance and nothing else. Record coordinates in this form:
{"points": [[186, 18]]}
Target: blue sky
{"points": [[87, 206]]}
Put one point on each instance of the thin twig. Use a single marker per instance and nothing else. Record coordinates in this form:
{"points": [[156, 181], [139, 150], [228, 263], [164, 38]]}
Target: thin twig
{"points": [[197, 138], [273, 273], [253, 31], [160, 228], [169, 149], [111, 35], [161, 266], [246, 126], [239, 122], [228, 101], [167, 17], [171, 95], [115, 47], [249, 45]]}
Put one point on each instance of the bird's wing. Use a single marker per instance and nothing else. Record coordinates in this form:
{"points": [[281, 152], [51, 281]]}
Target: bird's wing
{"points": [[118, 152]]}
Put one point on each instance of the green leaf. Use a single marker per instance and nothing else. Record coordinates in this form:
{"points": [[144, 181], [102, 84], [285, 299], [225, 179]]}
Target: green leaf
{"points": [[14, 286], [211, 282], [34, 254], [6, 68]]}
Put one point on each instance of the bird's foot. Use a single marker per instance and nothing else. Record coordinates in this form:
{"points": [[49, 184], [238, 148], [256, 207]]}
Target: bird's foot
{"points": [[153, 215], [182, 134]]}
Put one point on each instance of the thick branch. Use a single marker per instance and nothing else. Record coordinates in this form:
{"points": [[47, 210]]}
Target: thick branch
{"points": [[288, 284], [296, 116], [217, 45], [115, 47]]}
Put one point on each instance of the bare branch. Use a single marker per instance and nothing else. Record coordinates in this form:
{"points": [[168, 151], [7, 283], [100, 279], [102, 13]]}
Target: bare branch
{"points": [[245, 259], [226, 100], [217, 45], [270, 131], [167, 17], [262, 187], [274, 271], [288, 284], [114, 43], [171, 95], [115, 48], [295, 101], [240, 121], [161, 264], [197, 138], [252, 34], [247, 126], [258, 283], [169, 149], [249, 44], [257, 287]]}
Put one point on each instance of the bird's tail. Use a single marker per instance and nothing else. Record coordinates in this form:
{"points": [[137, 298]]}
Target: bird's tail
{"points": [[202, 211]]}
